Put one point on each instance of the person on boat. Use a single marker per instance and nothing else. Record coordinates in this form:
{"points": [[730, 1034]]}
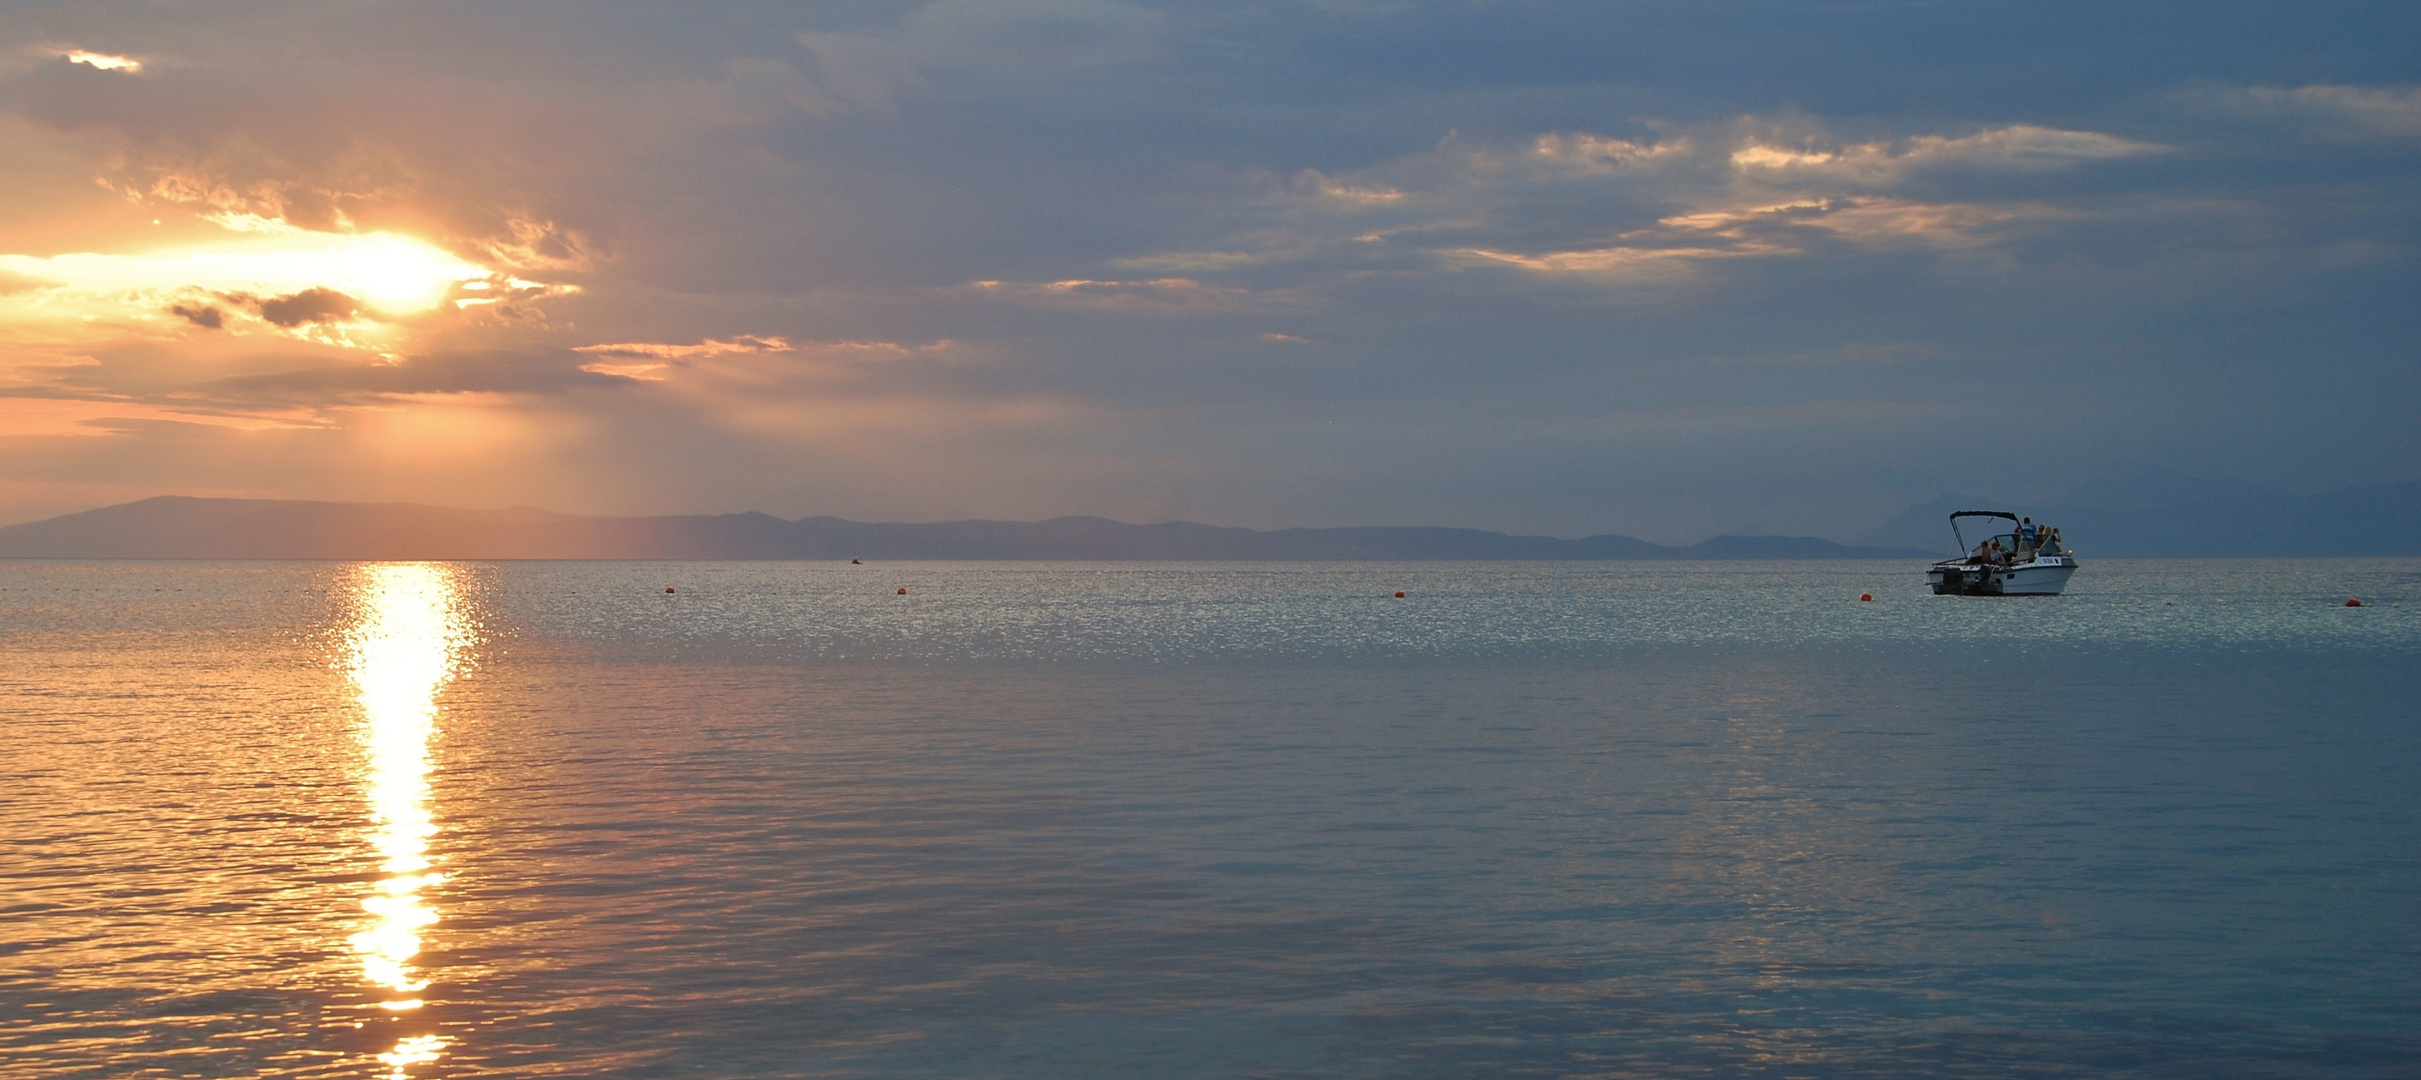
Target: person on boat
{"points": [[2027, 536]]}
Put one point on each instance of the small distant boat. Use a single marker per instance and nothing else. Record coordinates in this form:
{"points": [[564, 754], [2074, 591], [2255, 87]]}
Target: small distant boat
{"points": [[2028, 560]]}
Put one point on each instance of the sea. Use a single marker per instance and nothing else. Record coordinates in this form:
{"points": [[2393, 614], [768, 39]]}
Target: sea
{"points": [[930, 819]]}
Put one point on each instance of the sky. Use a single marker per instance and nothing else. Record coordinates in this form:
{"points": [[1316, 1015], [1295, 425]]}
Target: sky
{"points": [[1662, 269]]}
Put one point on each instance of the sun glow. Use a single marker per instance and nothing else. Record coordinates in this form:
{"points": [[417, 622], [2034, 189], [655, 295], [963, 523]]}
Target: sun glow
{"points": [[401, 651], [346, 277]]}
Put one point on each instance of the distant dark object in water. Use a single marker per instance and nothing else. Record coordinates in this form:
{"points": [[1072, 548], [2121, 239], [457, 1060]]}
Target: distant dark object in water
{"points": [[857, 562], [903, 591], [1866, 598], [1399, 594], [668, 590], [2353, 601]]}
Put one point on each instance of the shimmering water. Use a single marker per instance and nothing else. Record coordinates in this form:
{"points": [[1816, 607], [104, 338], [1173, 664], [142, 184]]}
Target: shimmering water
{"points": [[1714, 819]]}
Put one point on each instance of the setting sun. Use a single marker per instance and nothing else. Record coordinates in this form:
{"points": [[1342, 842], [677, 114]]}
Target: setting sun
{"points": [[288, 276], [392, 273]]}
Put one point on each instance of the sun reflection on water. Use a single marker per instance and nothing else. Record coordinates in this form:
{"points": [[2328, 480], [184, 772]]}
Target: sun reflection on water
{"points": [[407, 641]]}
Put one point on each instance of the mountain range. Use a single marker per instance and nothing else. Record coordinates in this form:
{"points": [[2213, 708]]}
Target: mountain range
{"points": [[2167, 515], [178, 527], [2148, 515]]}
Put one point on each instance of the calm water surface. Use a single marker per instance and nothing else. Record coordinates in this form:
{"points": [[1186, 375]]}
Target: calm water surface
{"points": [[1631, 819]]}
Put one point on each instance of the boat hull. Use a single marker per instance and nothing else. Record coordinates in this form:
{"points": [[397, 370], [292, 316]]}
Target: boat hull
{"points": [[2028, 579]]}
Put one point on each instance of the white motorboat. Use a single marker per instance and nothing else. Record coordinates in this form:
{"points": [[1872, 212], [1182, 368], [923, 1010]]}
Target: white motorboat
{"points": [[2028, 560]]}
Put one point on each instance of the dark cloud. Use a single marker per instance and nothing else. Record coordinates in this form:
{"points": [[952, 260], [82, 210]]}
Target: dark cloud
{"points": [[206, 317], [307, 306]]}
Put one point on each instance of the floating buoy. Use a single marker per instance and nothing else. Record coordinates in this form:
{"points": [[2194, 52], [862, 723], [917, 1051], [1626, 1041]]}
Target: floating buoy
{"points": [[903, 592], [668, 590], [1399, 594], [1866, 598], [2353, 601]]}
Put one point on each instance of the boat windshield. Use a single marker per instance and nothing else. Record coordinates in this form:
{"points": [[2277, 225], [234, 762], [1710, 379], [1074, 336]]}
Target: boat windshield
{"points": [[2008, 542]]}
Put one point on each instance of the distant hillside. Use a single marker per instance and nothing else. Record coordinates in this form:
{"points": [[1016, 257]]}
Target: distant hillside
{"points": [[173, 527], [2161, 515]]}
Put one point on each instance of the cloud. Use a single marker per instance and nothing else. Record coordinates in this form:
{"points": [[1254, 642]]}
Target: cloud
{"points": [[346, 136], [243, 189], [1846, 357], [1866, 220], [652, 362], [647, 361], [1625, 261], [103, 61], [2340, 111], [309, 306], [1165, 294], [744, 343], [296, 281], [13, 282], [526, 245], [1035, 34], [2018, 147], [1311, 182], [207, 318], [325, 386], [1762, 419], [1602, 155], [875, 71], [852, 73], [1645, 209], [1191, 261]]}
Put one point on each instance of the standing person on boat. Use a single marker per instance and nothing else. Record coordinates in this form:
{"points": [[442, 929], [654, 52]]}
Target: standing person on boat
{"points": [[2027, 536]]}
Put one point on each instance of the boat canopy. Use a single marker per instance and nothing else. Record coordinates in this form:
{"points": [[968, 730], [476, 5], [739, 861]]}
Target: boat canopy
{"points": [[1962, 537]]}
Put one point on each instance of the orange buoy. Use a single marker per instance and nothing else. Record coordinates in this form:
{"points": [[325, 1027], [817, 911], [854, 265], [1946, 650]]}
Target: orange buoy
{"points": [[1399, 594], [903, 592], [1866, 598], [668, 590], [2353, 602]]}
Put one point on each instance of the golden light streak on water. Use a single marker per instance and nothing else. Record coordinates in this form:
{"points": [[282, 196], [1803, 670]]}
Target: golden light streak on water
{"points": [[408, 640], [413, 1050]]}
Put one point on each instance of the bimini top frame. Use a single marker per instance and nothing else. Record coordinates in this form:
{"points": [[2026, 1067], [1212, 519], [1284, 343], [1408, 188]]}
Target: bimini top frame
{"points": [[1961, 537]]}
